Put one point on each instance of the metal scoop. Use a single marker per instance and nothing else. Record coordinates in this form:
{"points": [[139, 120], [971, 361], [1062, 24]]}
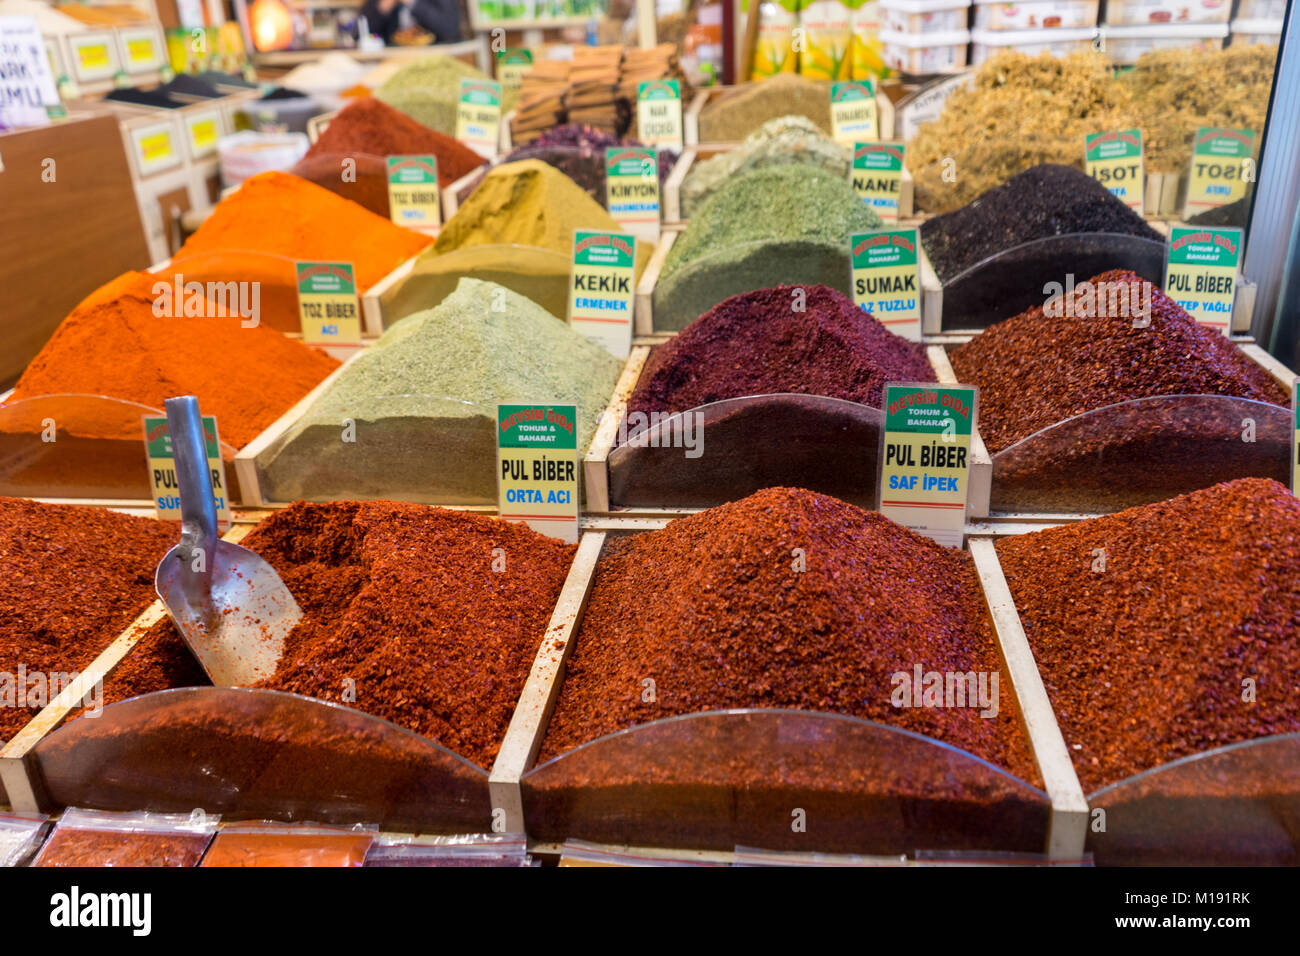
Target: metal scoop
{"points": [[230, 606]]}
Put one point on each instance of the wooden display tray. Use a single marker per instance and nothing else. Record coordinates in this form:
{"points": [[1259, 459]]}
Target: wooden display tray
{"points": [[246, 460], [1067, 826], [595, 464], [316, 125], [672, 202]]}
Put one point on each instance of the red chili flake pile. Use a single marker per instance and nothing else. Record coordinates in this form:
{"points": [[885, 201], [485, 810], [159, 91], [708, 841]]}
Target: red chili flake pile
{"points": [[716, 612], [807, 339], [1035, 370], [1146, 623], [71, 579], [402, 603]]}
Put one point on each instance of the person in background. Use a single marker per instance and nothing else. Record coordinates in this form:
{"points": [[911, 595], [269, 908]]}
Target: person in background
{"points": [[440, 17]]}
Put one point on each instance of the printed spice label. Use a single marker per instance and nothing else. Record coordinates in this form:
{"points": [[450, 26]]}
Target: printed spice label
{"points": [[632, 189], [887, 279], [925, 457], [1201, 272], [602, 288], [1218, 171], [327, 303], [877, 176], [537, 467], [478, 115], [659, 113], [1114, 159], [162, 469], [413, 199], [853, 111]]}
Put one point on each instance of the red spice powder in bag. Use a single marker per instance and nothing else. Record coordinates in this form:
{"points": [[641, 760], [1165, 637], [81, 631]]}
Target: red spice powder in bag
{"points": [[71, 579], [1145, 623], [757, 343], [785, 599], [95, 838], [286, 845]]}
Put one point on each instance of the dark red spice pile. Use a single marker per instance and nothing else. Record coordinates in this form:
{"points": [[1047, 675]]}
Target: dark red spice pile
{"points": [[1034, 370], [756, 343], [402, 599], [71, 579], [713, 610], [1045, 200], [1144, 660], [368, 130]]}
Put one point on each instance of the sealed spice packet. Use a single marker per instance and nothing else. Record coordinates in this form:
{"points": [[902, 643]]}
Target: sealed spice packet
{"points": [[20, 835], [461, 849], [101, 838], [752, 856], [289, 844]]}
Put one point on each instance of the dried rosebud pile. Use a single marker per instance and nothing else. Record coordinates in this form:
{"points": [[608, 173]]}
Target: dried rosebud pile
{"points": [[1165, 630], [1035, 370], [783, 599], [71, 580]]}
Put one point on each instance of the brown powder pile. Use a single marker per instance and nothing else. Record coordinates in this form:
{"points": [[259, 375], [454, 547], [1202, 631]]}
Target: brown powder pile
{"points": [[1144, 657], [715, 610], [1035, 370]]}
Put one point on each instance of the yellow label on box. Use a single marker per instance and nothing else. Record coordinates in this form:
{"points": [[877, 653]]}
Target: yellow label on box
{"points": [[327, 303], [155, 147], [877, 176], [166, 488], [141, 52], [94, 56], [925, 457], [204, 134], [1201, 273], [413, 199], [853, 111], [537, 467]]}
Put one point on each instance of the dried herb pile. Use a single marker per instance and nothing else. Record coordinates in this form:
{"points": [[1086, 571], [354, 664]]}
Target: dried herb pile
{"points": [[1144, 660]]}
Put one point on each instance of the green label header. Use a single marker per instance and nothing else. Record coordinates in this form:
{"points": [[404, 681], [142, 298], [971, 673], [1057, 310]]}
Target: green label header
{"points": [[884, 247], [537, 426], [328, 278], [926, 409]]}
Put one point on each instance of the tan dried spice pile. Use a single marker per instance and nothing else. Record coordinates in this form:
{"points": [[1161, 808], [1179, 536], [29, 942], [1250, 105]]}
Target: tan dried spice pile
{"points": [[1178, 91], [1022, 111]]}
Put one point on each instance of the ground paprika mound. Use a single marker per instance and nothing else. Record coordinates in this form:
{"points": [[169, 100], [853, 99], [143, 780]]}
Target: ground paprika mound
{"points": [[71, 580], [1146, 625], [784, 599], [275, 218]]}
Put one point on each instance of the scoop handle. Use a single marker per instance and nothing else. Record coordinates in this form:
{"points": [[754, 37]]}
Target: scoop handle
{"points": [[198, 510]]}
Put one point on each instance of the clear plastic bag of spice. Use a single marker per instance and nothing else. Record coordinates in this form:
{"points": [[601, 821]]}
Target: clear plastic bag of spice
{"points": [[1142, 451], [20, 835], [467, 849], [99, 838], [289, 844], [75, 446], [1013, 280], [697, 286], [584, 853], [726, 450]]}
